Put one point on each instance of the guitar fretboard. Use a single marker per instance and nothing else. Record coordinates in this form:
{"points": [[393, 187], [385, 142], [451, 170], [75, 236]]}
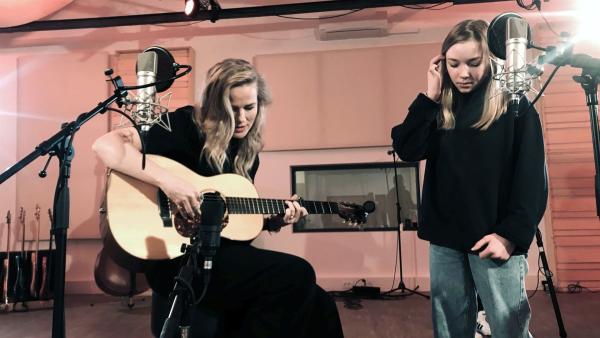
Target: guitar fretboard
{"points": [[246, 205]]}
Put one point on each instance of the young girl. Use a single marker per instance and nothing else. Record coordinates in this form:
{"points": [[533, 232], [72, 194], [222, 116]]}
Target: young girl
{"points": [[258, 293], [484, 191]]}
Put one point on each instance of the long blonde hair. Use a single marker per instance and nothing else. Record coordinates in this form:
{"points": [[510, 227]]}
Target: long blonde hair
{"points": [[495, 103], [216, 118]]}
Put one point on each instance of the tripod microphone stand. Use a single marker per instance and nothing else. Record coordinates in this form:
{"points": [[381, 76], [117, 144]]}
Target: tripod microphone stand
{"points": [[199, 255], [403, 290], [548, 276]]}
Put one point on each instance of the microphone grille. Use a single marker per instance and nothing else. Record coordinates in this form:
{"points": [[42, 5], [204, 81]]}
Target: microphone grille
{"points": [[517, 28], [146, 62]]}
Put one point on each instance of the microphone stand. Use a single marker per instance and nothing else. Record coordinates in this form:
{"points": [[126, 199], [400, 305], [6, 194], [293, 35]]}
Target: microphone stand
{"points": [[548, 275], [404, 291], [589, 79], [61, 146]]}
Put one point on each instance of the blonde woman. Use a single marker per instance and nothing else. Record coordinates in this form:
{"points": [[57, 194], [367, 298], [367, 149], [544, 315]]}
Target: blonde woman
{"points": [[484, 191], [258, 293]]}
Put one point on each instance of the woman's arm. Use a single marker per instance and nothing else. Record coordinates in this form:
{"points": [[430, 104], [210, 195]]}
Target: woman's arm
{"points": [[529, 188], [411, 139], [120, 151]]}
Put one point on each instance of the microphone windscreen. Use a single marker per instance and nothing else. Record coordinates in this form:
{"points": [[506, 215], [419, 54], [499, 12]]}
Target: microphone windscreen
{"points": [[165, 67], [497, 34]]}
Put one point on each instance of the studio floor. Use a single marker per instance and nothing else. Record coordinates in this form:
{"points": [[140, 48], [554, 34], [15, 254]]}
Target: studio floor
{"points": [[90, 316]]}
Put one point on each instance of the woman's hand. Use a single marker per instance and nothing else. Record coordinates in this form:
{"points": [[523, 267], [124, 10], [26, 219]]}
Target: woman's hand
{"points": [[434, 78], [183, 195], [293, 214], [494, 246]]}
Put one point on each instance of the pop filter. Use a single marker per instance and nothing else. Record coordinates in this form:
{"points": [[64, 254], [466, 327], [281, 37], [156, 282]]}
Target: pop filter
{"points": [[165, 69], [496, 34]]}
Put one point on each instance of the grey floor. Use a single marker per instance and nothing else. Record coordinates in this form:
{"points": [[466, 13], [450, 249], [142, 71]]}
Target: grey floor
{"points": [[105, 316]]}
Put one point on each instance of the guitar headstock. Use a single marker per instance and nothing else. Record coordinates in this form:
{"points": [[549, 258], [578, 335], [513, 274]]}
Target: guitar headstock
{"points": [[8, 217], [22, 215], [355, 214], [37, 212]]}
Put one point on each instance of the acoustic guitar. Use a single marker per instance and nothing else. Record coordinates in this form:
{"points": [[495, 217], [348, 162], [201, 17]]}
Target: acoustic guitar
{"points": [[142, 225], [111, 277]]}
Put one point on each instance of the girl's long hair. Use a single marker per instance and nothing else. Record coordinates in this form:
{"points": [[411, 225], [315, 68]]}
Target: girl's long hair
{"points": [[216, 118], [496, 100]]}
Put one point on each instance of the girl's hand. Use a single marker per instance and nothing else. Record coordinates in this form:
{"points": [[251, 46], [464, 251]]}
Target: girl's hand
{"points": [[496, 247], [434, 78]]}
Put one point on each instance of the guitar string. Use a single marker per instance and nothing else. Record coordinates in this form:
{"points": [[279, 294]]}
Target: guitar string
{"points": [[271, 205]]}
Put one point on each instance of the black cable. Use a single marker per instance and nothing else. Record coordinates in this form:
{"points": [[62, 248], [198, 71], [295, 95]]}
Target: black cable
{"points": [[138, 128], [187, 70], [543, 88], [578, 288], [321, 18], [532, 5], [430, 7], [548, 24]]}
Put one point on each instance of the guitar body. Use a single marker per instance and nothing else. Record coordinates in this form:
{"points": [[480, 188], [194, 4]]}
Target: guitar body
{"points": [[116, 280], [135, 231], [43, 293], [20, 289], [33, 287]]}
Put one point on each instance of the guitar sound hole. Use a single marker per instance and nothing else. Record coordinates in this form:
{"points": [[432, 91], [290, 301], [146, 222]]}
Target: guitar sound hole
{"points": [[188, 228], [185, 227]]}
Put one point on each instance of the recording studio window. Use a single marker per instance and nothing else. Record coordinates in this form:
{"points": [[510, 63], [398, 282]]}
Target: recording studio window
{"points": [[358, 183]]}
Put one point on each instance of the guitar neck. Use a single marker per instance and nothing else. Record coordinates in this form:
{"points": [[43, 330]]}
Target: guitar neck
{"points": [[37, 238], [244, 205], [23, 239]]}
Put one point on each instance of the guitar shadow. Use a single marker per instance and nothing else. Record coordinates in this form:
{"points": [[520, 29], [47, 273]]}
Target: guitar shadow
{"points": [[157, 246]]}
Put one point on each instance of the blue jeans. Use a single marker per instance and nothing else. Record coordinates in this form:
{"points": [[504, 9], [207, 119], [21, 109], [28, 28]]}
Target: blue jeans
{"points": [[456, 277]]}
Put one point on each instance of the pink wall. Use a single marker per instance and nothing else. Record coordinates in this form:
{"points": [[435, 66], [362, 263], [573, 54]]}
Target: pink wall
{"points": [[338, 258], [8, 139]]}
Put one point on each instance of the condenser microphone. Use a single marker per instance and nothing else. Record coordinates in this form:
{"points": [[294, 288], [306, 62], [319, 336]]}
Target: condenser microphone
{"points": [[143, 114], [156, 71], [509, 37], [518, 79]]}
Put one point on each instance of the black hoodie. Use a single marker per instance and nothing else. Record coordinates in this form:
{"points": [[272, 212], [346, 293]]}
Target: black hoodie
{"points": [[477, 182]]}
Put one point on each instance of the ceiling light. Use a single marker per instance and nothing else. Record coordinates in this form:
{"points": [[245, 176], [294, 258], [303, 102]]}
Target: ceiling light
{"points": [[191, 7]]}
